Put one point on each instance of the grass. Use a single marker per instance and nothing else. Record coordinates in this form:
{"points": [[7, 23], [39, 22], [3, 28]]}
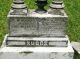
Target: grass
{"points": [[72, 8]]}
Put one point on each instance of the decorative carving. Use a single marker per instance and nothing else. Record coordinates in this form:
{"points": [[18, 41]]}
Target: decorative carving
{"points": [[19, 8]]}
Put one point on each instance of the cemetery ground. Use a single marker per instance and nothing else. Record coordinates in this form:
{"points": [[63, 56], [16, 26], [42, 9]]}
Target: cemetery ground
{"points": [[72, 8]]}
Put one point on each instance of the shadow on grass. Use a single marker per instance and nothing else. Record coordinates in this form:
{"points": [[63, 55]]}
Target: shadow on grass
{"points": [[76, 55]]}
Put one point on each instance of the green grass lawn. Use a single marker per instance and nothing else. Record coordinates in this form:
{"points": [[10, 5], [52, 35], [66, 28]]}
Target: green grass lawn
{"points": [[72, 8]]}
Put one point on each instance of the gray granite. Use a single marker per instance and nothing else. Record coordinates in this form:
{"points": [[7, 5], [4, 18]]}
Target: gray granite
{"points": [[36, 41], [36, 52], [18, 8], [36, 36], [76, 46], [57, 4], [18, 1], [34, 24]]}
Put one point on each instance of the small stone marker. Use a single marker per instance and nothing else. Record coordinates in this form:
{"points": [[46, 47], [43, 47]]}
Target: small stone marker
{"points": [[76, 46]]}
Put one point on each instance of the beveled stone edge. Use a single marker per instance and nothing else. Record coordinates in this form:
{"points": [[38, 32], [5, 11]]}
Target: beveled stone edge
{"points": [[74, 44], [41, 38], [67, 49], [5, 38], [31, 10]]}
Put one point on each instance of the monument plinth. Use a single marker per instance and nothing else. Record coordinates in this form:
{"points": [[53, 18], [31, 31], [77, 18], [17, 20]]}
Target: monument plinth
{"points": [[37, 34]]}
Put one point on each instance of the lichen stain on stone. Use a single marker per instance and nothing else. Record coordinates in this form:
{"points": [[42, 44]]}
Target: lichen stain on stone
{"points": [[54, 53], [64, 54], [1, 53], [26, 52], [70, 55]]}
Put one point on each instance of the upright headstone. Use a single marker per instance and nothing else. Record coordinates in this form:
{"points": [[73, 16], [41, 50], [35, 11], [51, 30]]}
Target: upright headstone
{"points": [[37, 34]]}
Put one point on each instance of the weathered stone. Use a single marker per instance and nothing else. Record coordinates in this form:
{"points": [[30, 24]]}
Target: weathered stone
{"points": [[36, 52], [36, 36], [37, 42], [57, 4], [57, 1], [37, 25], [19, 12], [18, 1], [19, 8], [76, 46]]}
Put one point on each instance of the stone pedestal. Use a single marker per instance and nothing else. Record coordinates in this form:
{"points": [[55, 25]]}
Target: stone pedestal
{"points": [[36, 52], [37, 30], [35, 35]]}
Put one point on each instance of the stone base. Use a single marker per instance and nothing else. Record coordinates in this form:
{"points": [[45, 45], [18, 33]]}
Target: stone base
{"points": [[36, 41], [36, 52]]}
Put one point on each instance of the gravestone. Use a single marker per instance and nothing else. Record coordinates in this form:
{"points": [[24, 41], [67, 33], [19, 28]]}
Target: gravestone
{"points": [[76, 46], [37, 34]]}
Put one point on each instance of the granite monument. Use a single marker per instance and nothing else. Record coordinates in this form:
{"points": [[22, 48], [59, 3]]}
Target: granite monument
{"points": [[37, 34]]}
